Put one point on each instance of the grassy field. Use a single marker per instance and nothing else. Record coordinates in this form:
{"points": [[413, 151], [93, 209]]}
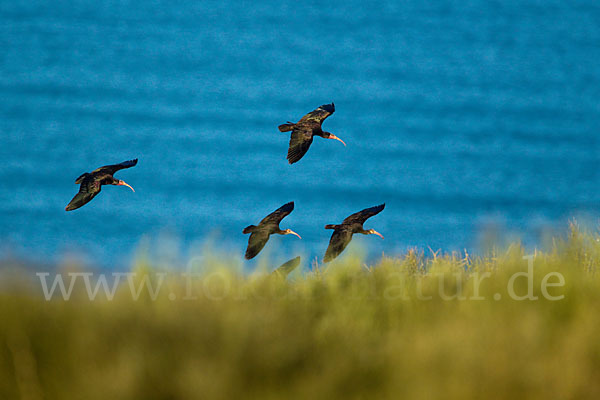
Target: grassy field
{"points": [[419, 326]]}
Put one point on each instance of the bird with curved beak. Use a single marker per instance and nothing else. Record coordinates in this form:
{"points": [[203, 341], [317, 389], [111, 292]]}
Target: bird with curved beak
{"points": [[268, 226], [91, 183], [306, 129], [342, 234]]}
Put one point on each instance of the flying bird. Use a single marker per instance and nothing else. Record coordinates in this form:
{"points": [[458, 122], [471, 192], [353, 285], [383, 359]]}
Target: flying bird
{"points": [[304, 130], [268, 226], [342, 234], [286, 268], [91, 183]]}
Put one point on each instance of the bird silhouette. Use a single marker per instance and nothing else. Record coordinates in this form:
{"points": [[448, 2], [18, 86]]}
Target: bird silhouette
{"points": [[268, 226], [342, 234], [304, 130], [91, 183]]}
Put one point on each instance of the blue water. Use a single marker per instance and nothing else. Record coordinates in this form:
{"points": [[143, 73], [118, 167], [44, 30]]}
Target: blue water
{"points": [[457, 114]]}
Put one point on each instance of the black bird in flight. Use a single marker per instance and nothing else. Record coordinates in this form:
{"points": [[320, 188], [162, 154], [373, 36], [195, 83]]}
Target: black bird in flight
{"points": [[91, 183], [268, 226], [304, 130], [286, 268], [342, 234]]}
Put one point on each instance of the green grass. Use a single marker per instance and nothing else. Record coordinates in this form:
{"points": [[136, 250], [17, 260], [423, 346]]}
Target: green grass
{"points": [[348, 331]]}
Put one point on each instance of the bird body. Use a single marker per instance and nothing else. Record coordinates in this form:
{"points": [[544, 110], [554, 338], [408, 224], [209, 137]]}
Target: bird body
{"points": [[259, 235], [91, 183], [342, 233], [305, 130]]}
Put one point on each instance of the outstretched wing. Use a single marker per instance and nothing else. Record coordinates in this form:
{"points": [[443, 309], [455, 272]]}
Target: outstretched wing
{"points": [[81, 178], [111, 169], [361, 216], [87, 191], [276, 216], [300, 142], [338, 242], [256, 242], [319, 115], [285, 269]]}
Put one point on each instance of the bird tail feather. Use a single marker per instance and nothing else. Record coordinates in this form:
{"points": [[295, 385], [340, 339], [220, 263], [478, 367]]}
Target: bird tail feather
{"points": [[249, 229], [331, 226], [287, 127]]}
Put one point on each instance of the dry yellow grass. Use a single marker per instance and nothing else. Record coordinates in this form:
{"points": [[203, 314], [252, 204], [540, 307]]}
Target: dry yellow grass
{"points": [[392, 330]]}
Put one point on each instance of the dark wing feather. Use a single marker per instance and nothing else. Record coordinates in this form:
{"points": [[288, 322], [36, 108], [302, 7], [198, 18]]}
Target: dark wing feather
{"points": [[285, 269], [300, 142], [256, 242], [80, 179], [361, 216], [338, 242], [87, 191], [111, 169], [319, 115], [276, 216]]}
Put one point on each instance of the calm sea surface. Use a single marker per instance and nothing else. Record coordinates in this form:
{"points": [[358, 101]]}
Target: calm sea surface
{"points": [[459, 115]]}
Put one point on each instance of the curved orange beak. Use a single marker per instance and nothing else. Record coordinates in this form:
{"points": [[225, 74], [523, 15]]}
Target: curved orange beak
{"points": [[123, 183], [294, 233], [377, 233], [332, 136]]}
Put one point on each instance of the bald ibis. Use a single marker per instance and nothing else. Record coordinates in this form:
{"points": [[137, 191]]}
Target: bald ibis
{"points": [[268, 226], [304, 130], [91, 183], [342, 234]]}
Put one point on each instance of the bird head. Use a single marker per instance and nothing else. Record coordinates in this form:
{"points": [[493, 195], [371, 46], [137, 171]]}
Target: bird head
{"points": [[329, 135], [374, 232], [118, 182], [291, 232]]}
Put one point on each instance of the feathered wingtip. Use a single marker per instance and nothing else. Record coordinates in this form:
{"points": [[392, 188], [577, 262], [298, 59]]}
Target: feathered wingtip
{"points": [[81, 177], [285, 269], [130, 163], [289, 207], [287, 127], [328, 107], [249, 229]]}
